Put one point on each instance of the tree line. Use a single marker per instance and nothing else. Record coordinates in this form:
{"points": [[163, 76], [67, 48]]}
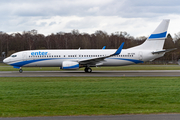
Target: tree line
{"points": [[31, 40]]}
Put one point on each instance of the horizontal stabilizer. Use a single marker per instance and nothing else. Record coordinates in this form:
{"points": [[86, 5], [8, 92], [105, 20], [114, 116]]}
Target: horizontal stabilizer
{"points": [[161, 51]]}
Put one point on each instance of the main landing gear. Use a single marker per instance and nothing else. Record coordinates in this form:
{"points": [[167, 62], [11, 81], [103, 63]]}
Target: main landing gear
{"points": [[88, 70]]}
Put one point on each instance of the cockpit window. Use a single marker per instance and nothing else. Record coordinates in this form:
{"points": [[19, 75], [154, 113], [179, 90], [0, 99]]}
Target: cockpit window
{"points": [[13, 55]]}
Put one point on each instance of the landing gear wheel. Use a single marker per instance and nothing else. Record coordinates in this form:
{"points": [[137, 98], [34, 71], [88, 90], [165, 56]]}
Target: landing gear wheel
{"points": [[20, 70], [85, 70], [88, 70]]}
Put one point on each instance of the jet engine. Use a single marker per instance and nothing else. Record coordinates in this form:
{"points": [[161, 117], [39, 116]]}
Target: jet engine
{"points": [[70, 65]]}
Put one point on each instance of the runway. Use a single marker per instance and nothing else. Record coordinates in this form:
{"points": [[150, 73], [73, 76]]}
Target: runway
{"points": [[129, 73]]}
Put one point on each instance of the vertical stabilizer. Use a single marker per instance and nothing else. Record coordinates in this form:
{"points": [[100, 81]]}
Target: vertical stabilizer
{"points": [[156, 40]]}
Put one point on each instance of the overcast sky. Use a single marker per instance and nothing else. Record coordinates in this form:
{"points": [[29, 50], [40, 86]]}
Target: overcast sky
{"points": [[136, 17]]}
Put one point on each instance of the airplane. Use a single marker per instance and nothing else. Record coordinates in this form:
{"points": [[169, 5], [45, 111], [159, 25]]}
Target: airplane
{"points": [[151, 49]]}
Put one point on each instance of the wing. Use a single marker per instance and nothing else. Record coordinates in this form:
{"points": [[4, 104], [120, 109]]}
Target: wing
{"points": [[96, 61]]}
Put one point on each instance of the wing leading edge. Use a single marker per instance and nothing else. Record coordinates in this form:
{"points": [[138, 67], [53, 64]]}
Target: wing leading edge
{"points": [[96, 61]]}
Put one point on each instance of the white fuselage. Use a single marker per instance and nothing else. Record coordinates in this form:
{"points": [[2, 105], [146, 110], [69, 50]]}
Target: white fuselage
{"points": [[54, 58], [151, 49]]}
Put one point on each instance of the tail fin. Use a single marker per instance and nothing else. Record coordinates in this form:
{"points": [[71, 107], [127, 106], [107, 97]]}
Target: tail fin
{"points": [[156, 40]]}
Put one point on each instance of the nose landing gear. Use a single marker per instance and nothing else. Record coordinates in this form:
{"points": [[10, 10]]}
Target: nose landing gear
{"points": [[20, 70], [88, 70]]}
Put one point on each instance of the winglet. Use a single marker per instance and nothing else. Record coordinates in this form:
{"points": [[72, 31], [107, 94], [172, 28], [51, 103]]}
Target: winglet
{"points": [[104, 47], [119, 49]]}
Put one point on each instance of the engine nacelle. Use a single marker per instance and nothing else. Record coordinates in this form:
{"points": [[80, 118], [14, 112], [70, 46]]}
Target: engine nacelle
{"points": [[70, 65]]}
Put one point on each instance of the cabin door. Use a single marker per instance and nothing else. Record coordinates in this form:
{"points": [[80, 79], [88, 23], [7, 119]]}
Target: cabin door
{"points": [[24, 56], [141, 55]]}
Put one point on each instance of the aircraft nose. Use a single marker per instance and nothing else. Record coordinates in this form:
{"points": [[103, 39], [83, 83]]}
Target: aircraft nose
{"points": [[5, 60]]}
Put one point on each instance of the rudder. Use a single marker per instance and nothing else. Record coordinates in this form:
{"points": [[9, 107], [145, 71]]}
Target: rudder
{"points": [[156, 40]]}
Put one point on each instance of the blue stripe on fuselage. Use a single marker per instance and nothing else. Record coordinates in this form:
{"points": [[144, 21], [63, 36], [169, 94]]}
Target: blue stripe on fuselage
{"points": [[131, 60], [22, 63]]}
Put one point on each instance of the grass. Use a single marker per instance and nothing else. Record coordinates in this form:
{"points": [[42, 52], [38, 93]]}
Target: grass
{"points": [[22, 97]]}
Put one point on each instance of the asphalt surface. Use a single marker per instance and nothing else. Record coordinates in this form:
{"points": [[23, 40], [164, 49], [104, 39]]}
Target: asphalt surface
{"points": [[134, 73], [111, 117]]}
